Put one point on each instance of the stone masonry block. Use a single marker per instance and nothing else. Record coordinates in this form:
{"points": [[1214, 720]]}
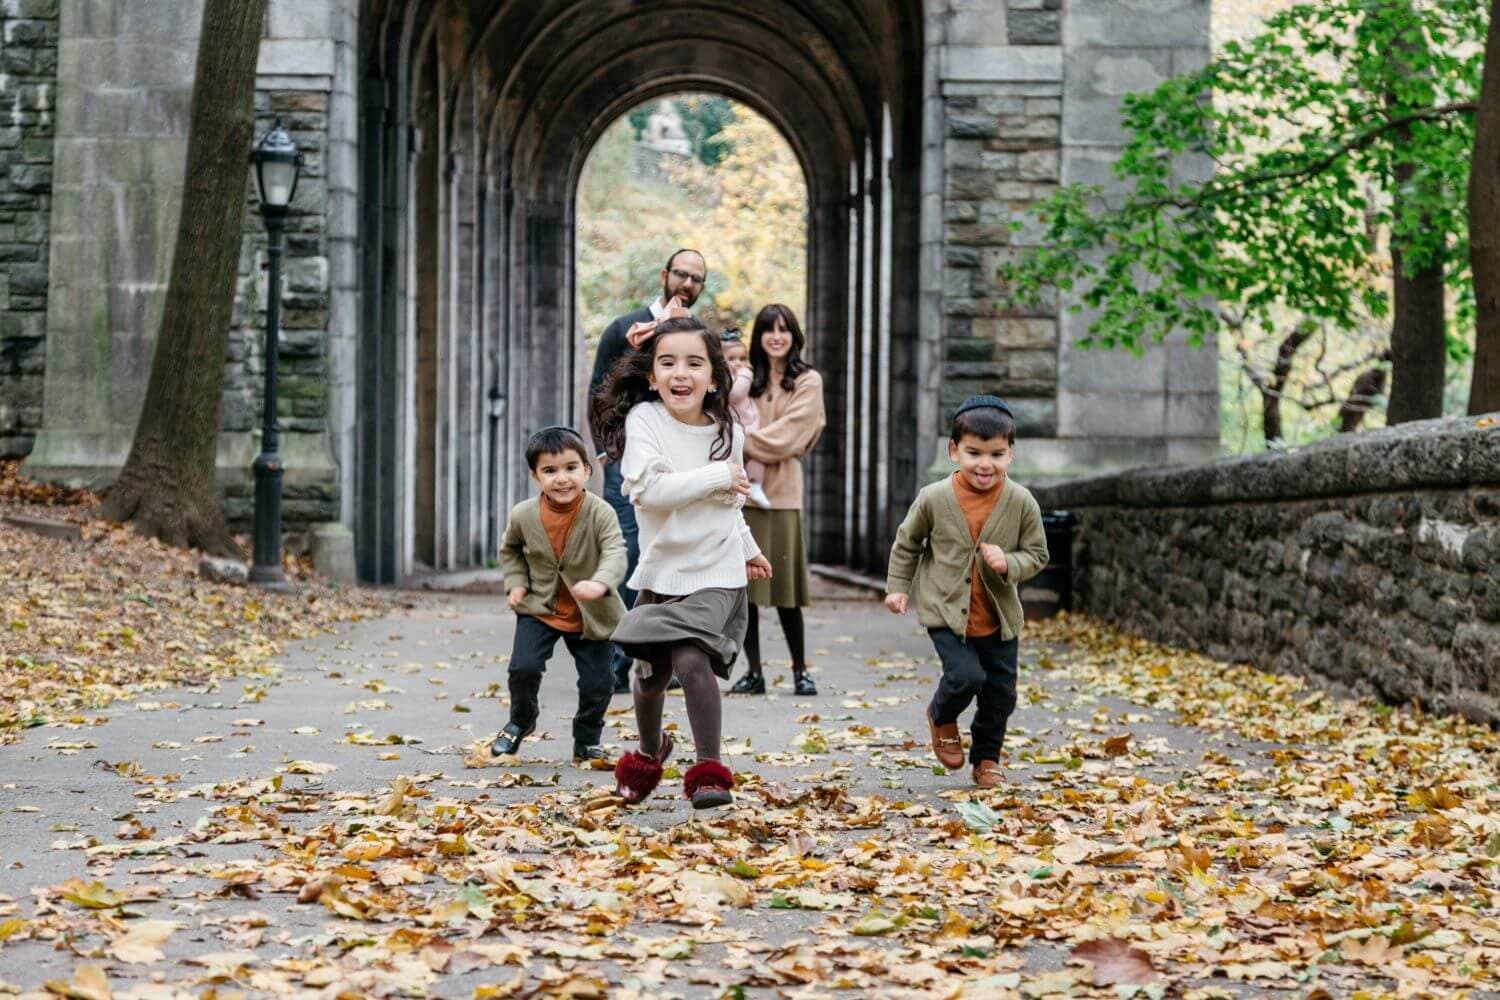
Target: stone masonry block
{"points": [[1033, 366], [972, 126], [1017, 334], [1097, 80], [966, 184], [1116, 414], [1035, 27], [1138, 22], [1002, 63], [1089, 369]]}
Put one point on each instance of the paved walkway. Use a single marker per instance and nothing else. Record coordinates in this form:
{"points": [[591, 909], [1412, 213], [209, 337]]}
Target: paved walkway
{"points": [[198, 800]]}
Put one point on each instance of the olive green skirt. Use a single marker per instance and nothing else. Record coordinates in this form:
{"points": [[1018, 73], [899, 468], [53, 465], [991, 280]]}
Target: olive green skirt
{"points": [[779, 535]]}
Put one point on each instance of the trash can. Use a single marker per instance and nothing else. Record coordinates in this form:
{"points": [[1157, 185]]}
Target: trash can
{"points": [[1051, 590]]}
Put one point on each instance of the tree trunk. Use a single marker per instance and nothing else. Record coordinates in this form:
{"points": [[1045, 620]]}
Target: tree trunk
{"points": [[1270, 411], [1419, 348], [1484, 228], [1369, 385], [167, 485]]}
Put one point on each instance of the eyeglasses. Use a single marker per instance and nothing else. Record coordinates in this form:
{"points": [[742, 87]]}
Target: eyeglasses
{"points": [[681, 275]]}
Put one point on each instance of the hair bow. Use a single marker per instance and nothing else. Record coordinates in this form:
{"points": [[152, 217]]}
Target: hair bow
{"points": [[638, 332]]}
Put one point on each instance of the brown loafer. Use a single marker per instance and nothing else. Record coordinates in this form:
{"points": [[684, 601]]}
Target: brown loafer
{"points": [[987, 774], [946, 743]]}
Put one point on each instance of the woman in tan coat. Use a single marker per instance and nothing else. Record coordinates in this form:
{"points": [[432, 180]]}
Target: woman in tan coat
{"points": [[788, 395]]}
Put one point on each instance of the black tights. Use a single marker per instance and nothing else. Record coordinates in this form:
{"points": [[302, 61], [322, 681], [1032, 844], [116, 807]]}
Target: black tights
{"points": [[699, 687], [791, 624]]}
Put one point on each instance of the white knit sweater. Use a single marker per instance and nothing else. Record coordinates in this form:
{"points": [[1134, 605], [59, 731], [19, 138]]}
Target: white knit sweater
{"points": [[692, 533]]}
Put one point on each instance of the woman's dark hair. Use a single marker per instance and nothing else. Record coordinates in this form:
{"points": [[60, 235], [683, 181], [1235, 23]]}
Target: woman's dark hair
{"points": [[629, 384], [760, 361]]}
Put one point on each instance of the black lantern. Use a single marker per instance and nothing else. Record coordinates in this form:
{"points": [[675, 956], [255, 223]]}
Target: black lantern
{"points": [[277, 162]]}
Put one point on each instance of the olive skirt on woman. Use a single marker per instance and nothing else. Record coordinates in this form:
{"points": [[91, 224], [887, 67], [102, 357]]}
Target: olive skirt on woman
{"points": [[713, 619], [779, 535]]}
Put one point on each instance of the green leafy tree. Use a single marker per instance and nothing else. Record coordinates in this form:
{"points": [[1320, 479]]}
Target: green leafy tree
{"points": [[1340, 138]]}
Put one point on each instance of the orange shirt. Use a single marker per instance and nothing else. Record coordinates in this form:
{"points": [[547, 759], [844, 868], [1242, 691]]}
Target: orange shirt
{"points": [[977, 506], [558, 523]]}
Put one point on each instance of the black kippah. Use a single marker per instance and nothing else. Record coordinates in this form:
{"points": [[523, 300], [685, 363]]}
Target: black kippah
{"points": [[981, 402]]}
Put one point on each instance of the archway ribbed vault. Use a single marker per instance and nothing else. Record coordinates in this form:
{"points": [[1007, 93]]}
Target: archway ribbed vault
{"points": [[477, 116]]}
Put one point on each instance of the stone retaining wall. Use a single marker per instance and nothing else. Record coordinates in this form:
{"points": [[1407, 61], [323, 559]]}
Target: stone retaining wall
{"points": [[28, 92], [1371, 561]]}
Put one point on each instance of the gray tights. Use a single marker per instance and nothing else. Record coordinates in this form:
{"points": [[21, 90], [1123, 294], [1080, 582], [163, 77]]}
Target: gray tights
{"points": [[699, 687]]}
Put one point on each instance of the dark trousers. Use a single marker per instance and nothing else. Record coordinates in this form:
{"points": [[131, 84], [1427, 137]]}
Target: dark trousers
{"points": [[625, 513], [528, 661], [979, 669]]}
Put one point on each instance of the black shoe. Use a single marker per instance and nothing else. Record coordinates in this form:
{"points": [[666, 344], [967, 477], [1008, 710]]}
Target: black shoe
{"points": [[622, 681], [674, 684], [509, 740], [585, 752], [803, 684], [754, 682]]}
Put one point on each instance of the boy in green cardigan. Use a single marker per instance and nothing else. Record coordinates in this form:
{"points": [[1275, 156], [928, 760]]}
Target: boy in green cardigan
{"points": [[965, 544], [564, 559]]}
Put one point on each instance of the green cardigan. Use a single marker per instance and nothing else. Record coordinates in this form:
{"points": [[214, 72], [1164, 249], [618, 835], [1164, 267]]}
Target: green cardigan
{"points": [[595, 550], [934, 556]]}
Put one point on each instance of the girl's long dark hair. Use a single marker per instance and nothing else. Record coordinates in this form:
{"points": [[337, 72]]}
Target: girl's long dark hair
{"points": [[760, 361], [629, 384]]}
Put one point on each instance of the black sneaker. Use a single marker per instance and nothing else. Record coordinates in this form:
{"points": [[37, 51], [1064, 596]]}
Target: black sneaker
{"points": [[754, 682], [622, 681], [674, 684], [585, 752], [509, 740]]}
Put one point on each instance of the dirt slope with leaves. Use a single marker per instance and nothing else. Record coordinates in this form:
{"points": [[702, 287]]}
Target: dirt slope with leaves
{"points": [[83, 623], [1171, 826]]}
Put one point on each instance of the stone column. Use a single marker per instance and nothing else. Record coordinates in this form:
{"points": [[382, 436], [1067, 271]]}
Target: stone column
{"points": [[120, 148], [306, 79], [28, 89], [1116, 410], [1001, 84]]}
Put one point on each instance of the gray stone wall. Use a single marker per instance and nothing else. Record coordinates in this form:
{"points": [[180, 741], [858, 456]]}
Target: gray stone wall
{"points": [[1001, 83], [1114, 409], [121, 149], [303, 388], [1031, 99], [28, 88], [1371, 561]]}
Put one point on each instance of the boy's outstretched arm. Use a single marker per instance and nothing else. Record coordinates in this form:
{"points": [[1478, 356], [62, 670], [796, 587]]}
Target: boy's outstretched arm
{"points": [[906, 552], [1030, 556]]}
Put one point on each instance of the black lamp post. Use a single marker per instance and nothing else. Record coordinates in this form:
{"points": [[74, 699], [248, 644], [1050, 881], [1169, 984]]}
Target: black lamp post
{"points": [[277, 161], [497, 413]]}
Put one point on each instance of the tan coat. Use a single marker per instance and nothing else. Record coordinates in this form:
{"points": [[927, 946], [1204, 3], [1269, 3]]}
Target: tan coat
{"points": [[595, 550], [790, 423], [933, 557]]}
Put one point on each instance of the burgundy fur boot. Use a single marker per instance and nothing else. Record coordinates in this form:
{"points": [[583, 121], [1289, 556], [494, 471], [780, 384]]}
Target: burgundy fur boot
{"points": [[637, 775], [708, 783]]}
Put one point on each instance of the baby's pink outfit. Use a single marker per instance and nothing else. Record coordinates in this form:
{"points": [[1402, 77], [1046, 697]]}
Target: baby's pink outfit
{"points": [[744, 408]]}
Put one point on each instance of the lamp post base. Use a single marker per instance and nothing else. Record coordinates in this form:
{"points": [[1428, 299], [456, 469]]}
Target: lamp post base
{"points": [[270, 577]]}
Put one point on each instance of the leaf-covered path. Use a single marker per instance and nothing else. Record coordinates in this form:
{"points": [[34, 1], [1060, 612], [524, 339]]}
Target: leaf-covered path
{"points": [[1170, 827]]}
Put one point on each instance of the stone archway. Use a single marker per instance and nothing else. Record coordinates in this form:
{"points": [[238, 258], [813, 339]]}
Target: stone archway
{"points": [[477, 116]]}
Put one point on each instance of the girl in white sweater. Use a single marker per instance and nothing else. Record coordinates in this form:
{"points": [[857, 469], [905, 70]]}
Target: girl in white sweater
{"points": [[663, 414]]}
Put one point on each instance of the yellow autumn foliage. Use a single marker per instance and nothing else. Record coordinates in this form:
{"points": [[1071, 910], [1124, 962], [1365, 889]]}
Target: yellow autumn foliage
{"points": [[748, 215]]}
